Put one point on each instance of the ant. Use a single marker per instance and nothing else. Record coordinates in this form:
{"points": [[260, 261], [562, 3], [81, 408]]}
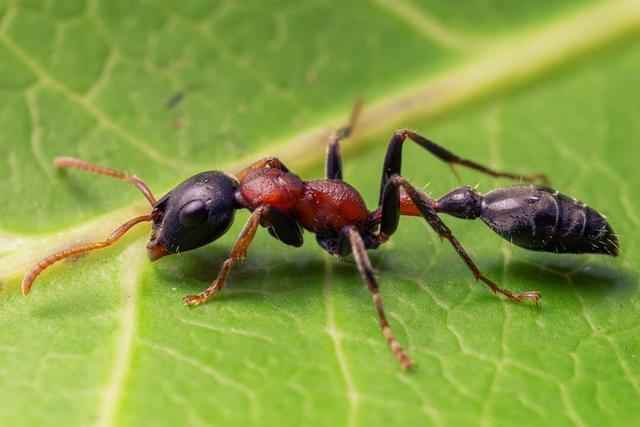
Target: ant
{"points": [[201, 209]]}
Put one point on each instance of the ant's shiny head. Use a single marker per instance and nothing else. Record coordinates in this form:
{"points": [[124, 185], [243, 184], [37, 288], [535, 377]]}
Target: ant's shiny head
{"points": [[195, 213]]}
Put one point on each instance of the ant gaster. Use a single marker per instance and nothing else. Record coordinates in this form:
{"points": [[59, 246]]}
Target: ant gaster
{"points": [[202, 208]]}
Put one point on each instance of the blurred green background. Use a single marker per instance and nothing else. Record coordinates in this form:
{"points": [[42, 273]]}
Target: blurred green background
{"points": [[165, 89]]}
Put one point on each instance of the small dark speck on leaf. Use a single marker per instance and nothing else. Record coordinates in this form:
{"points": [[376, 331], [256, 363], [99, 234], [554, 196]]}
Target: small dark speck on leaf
{"points": [[179, 123], [175, 99], [312, 77]]}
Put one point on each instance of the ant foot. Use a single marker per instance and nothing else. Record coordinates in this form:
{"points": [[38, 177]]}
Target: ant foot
{"points": [[530, 295], [406, 364], [195, 300]]}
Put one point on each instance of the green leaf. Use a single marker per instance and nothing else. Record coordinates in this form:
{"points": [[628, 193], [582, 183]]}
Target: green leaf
{"points": [[167, 88]]}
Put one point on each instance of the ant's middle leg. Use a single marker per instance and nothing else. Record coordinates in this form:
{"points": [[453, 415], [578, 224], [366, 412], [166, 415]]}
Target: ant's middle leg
{"points": [[351, 241], [393, 160], [333, 164], [390, 216]]}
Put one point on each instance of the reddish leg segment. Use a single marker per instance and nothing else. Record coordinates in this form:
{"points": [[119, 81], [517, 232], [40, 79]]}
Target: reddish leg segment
{"points": [[267, 162], [35, 271], [238, 252], [366, 271], [73, 163]]}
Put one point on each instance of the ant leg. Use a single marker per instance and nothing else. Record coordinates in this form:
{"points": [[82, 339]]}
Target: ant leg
{"points": [[238, 252], [73, 163], [333, 165], [267, 162], [425, 205], [394, 202], [393, 160], [366, 271], [47, 262]]}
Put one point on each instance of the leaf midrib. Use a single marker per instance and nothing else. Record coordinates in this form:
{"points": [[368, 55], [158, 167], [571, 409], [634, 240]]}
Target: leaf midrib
{"points": [[351, 391], [499, 66], [133, 258]]}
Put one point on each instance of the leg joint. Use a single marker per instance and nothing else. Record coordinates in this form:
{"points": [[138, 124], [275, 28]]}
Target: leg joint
{"points": [[401, 134], [397, 180]]}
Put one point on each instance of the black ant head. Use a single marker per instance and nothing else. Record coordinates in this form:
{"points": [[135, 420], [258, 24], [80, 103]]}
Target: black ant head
{"points": [[193, 214]]}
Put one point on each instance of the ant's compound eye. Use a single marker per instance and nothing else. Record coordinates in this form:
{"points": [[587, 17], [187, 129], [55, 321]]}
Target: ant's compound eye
{"points": [[193, 213]]}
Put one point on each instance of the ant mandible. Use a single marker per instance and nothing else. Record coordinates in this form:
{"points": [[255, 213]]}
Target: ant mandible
{"points": [[201, 209]]}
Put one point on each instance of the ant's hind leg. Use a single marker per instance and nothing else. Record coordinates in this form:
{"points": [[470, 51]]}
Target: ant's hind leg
{"points": [[333, 165], [73, 163], [393, 160], [425, 205], [237, 253], [366, 271]]}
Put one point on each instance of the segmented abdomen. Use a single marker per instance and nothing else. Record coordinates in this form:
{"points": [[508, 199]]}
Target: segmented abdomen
{"points": [[542, 219]]}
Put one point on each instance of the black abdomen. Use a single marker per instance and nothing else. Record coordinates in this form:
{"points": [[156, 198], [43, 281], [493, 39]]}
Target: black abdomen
{"points": [[542, 219]]}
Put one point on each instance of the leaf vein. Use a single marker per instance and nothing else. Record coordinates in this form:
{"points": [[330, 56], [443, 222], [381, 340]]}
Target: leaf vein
{"points": [[243, 65], [132, 258], [426, 24], [82, 101], [352, 393]]}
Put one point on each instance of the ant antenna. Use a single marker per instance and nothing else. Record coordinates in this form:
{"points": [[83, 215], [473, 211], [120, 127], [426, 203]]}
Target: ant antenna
{"points": [[73, 163], [47, 262]]}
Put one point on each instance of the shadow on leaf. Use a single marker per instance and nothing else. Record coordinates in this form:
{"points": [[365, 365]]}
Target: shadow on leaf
{"points": [[590, 280], [256, 275]]}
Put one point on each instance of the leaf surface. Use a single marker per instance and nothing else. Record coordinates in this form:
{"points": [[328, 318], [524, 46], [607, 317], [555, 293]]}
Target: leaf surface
{"points": [[166, 89]]}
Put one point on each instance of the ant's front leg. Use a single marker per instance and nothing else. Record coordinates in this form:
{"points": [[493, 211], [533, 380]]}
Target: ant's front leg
{"points": [[238, 252], [267, 162], [390, 214]]}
